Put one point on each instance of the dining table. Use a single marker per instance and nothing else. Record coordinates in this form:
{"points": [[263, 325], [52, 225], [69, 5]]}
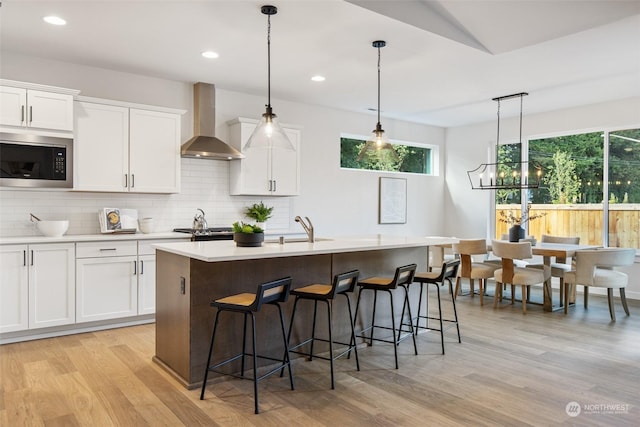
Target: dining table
{"points": [[553, 250]]}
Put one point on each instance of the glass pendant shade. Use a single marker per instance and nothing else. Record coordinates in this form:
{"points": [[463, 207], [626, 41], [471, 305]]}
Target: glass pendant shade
{"points": [[376, 144], [269, 134]]}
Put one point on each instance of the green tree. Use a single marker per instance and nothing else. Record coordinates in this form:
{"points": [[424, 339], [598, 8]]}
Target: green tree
{"points": [[563, 183]]}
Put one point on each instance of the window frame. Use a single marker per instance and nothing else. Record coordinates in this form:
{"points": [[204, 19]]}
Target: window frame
{"points": [[434, 155]]}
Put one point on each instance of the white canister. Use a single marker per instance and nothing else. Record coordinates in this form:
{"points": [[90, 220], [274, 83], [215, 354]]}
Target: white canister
{"points": [[146, 225]]}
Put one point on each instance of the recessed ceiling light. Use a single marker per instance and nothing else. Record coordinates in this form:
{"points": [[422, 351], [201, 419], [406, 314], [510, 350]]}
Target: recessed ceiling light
{"points": [[318, 78], [54, 20], [210, 54]]}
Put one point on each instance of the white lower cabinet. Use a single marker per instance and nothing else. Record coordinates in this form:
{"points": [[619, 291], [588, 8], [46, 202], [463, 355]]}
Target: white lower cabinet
{"points": [[147, 284], [37, 287], [14, 288], [106, 280]]}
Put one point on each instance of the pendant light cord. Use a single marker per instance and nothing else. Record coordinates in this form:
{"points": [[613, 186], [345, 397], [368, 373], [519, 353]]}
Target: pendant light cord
{"points": [[269, 61], [378, 85], [498, 132]]}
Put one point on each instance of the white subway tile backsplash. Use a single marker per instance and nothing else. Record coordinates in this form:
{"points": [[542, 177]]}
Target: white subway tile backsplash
{"points": [[205, 185]]}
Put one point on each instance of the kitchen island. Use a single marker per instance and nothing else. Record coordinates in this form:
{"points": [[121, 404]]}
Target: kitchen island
{"points": [[191, 274]]}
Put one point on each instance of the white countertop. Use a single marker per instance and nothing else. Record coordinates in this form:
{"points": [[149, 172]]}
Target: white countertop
{"points": [[72, 238], [228, 251]]}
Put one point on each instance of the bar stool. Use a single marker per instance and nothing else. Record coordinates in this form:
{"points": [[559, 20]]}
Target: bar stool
{"points": [[343, 284], [272, 293], [448, 272], [402, 278]]}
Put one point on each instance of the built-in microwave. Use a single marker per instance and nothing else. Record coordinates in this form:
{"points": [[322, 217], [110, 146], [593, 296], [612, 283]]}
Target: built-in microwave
{"points": [[35, 161]]}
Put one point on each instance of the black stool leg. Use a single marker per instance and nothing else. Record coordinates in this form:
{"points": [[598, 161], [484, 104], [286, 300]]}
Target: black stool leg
{"points": [[420, 308], [393, 327], [293, 315], [206, 370], [244, 344], [286, 346], [355, 319], [353, 334], [313, 328], [413, 335], [329, 316], [373, 316], [455, 312], [440, 316], [255, 363]]}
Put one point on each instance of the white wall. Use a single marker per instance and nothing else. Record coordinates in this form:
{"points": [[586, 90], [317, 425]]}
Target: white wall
{"points": [[467, 146], [337, 201]]}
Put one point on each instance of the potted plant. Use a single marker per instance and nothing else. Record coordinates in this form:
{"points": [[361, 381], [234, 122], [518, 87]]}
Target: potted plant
{"points": [[516, 232], [247, 235], [260, 213]]}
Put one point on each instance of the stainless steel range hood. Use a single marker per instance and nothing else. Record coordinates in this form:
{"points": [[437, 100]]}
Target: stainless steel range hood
{"points": [[204, 144]]}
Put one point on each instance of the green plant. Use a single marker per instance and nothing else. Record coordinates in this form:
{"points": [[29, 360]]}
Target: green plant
{"points": [[259, 212], [241, 227]]}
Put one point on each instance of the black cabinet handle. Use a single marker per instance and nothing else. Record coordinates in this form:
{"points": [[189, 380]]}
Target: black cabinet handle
{"points": [[32, 257], [141, 267], [135, 268], [22, 114], [24, 258]]}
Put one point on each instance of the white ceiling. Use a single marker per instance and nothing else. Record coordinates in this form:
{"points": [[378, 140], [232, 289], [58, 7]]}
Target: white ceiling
{"points": [[443, 62]]}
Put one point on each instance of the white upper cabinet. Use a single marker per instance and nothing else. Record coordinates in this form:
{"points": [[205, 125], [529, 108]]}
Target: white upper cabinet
{"points": [[123, 149], [264, 171], [25, 106]]}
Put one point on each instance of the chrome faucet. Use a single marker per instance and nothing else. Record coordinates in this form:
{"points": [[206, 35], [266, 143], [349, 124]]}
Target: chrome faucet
{"points": [[308, 227]]}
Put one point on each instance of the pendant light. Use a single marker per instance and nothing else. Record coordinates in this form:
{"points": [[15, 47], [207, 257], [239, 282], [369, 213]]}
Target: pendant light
{"points": [[378, 140], [506, 175], [268, 133]]}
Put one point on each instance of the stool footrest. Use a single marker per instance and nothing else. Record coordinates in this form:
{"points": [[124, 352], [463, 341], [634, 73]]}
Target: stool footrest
{"points": [[349, 348], [282, 365]]}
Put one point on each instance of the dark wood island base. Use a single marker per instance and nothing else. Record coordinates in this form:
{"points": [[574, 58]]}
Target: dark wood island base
{"points": [[185, 286]]}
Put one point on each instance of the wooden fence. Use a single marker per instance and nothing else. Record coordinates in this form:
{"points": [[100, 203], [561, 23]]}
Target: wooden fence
{"points": [[585, 221]]}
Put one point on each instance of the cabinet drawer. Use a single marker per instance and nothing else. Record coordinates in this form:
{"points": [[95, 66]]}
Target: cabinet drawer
{"points": [[106, 249]]}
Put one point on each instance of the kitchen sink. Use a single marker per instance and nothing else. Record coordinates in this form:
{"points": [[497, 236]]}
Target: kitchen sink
{"points": [[297, 240]]}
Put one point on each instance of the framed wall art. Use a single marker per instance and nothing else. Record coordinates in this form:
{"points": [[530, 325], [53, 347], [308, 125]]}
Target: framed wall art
{"points": [[393, 201]]}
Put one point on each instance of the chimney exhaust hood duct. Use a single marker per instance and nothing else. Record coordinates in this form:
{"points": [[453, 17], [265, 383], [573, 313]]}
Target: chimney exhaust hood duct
{"points": [[204, 144]]}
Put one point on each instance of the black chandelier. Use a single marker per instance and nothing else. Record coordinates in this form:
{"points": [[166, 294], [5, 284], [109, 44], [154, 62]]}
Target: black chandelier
{"points": [[506, 175]]}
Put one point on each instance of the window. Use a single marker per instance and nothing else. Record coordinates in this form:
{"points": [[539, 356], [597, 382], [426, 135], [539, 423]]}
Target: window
{"points": [[411, 158], [590, 187]]}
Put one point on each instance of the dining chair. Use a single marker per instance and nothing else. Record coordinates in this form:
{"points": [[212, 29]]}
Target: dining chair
{"points": [[472, 270], [560, 265], [596, 268], [516, 276]]}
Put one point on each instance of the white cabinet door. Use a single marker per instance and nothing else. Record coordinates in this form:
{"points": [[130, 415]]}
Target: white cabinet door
{"points": [[13, 106], [106, 288], [154, 151], [48, 110], [146, 284], [14, 288], [285, 168], [51, 284], [264, 171], [36, 109], [101, 147]]}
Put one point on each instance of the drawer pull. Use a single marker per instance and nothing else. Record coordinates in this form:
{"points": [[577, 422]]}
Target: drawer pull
{"points": [[107, 249]]}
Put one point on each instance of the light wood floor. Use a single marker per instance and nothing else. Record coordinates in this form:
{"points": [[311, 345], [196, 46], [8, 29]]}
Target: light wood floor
{"points": [[511, 369]]}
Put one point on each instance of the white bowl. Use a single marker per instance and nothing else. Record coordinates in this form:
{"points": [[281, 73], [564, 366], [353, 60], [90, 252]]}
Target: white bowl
{"points": [[53, 228]]}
